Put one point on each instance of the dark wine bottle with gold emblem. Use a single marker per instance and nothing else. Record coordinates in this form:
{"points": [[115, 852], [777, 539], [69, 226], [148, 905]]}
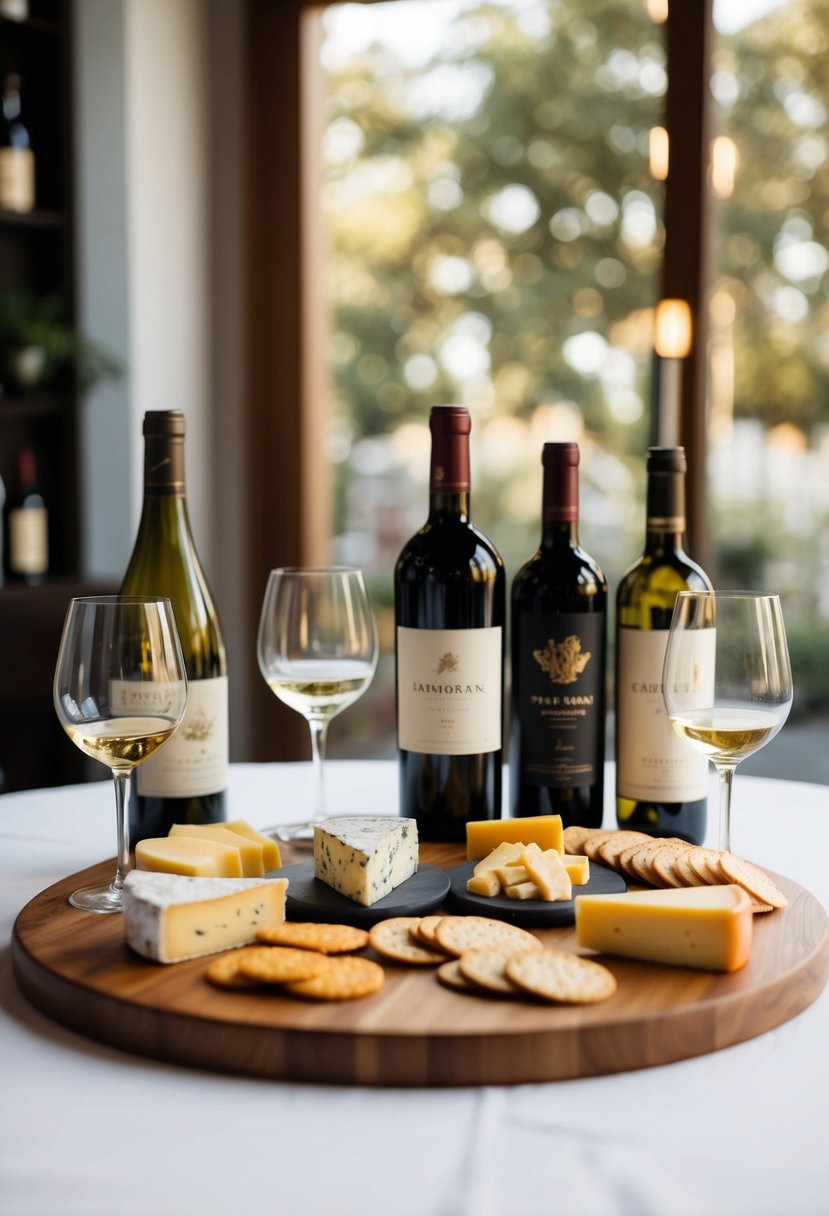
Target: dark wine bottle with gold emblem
{"points": [[558, 648]]}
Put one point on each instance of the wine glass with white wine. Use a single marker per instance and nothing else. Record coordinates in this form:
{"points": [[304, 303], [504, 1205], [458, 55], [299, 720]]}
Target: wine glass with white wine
{"points": [[727, 680], [120, 691], [317, 650]]}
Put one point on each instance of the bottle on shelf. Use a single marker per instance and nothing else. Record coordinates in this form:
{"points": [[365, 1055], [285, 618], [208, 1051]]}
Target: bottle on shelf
{"points": [[17, 159], [449, 596], [661, 783], [558, 651], [27, 524], [186, 782]]}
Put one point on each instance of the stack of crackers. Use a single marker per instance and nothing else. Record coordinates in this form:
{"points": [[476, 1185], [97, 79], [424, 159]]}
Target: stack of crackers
{"points": [[671, 862]]}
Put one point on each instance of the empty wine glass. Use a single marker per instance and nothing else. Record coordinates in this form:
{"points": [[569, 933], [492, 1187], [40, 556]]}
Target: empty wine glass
{"points": [[727, 680], [120, 690], [317, 650]]}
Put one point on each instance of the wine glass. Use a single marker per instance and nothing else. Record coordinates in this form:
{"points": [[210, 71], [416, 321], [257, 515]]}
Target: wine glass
{"points": [[726, 679], [317, 650], [120, 690]]}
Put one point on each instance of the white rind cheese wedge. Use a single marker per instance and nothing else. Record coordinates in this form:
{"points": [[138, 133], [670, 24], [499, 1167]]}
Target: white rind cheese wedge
{"points": [[705, 927], [170, 917], [364, 857]]}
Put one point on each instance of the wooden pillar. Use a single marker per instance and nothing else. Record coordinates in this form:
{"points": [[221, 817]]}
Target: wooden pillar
{"points": [[687, 257]]}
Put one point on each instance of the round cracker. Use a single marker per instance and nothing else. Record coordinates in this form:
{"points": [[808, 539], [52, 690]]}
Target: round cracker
{"points": [[223, 970], [706, 865], [637, 860], [449, 974], [457, 934], [279, 964], [594, 843], [345, 978], [485, 968], [307, 935], [555, 975], [685, 870], [575, 837], [392, 938], [424, 932], [663, 865], [615, 842], [754, 880]]}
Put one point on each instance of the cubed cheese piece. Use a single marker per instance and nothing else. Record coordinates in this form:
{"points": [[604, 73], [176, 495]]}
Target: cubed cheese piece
{"points": [[484, 884], [250, 851], [484, 835], [169, 918], [508, 876], [523, 890], [365, 857], [705, 927], [578, 869], [549, 875], [186, 855], [270, 849]]}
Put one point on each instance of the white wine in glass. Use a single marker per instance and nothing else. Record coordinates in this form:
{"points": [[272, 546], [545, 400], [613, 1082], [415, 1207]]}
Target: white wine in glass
{"points": [[120, 691], [317, 651], [727, 681]]}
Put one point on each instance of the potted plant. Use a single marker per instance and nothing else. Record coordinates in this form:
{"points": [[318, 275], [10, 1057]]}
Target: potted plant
{"points": [[37, 345]]}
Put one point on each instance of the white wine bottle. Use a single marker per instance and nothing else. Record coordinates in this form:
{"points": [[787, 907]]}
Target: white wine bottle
{"points": [[661, 783], [449, 596], [187, 780]]}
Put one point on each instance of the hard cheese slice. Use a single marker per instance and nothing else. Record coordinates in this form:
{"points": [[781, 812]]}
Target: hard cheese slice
{"points": [[250, 851], [197, 858], [705, 927], [270, 849], [364, 857], [484, 835], [168, 917]]}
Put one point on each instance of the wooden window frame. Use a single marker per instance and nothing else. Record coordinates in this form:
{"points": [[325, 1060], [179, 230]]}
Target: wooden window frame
{"points": [[287, 500]]}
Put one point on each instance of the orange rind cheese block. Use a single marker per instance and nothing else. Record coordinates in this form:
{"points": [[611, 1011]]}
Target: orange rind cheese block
{"points": [[484, 835], [709, 928]]}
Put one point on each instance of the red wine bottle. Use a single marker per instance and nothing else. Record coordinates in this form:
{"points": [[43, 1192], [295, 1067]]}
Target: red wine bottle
{"points": [[558, 651], [449, 598]]}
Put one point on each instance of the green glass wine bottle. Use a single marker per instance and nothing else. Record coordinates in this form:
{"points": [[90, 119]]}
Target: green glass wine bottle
{"points": [[186, 781]]}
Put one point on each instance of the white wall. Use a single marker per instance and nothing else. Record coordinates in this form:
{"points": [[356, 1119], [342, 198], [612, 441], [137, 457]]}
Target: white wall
{"points": [[160, 270]]}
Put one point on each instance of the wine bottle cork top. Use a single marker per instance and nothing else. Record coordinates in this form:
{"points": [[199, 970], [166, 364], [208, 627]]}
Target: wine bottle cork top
{"points": [[450, 419], [560, 454], [163, 422]]}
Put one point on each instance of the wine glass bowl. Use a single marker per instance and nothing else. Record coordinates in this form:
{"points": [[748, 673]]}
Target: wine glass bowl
{"points": [[317, 652], [120, 691], [727, 681]]}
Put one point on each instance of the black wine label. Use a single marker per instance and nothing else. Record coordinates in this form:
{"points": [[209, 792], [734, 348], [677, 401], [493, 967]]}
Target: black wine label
{"points": [[559, 701]]}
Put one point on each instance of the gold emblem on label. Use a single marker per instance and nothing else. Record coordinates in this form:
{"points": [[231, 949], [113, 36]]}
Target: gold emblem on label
{"points": [[448, 662], [199, 730], [563, 661]]}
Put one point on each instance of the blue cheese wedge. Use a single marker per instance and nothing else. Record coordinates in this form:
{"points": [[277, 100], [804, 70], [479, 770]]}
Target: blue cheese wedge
{"points": [[170, 917], [364, 857]]}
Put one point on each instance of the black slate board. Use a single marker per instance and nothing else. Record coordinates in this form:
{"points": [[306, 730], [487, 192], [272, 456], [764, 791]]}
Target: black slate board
{"points": [[531, 913], [312, 900]]}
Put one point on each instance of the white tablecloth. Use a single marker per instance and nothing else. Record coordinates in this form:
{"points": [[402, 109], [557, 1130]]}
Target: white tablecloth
{"points": [[86, 1129]]}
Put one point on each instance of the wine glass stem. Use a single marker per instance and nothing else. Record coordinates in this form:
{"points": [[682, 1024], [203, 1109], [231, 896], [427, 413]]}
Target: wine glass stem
{"points": [[726, 773], [121, 777], [319, 731]]}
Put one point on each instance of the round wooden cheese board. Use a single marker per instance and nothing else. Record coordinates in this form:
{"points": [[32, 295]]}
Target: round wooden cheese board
{"points": [[76, 968]]}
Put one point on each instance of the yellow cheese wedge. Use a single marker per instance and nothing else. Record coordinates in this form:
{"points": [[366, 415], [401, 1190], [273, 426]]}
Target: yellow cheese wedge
{"points": [[510, 876], [503, 855], [250, 851], [705, 927], [523, 890], [578, 869], [484, 884], [549, 875], [270, 849], [484, 835], [195, 858]]}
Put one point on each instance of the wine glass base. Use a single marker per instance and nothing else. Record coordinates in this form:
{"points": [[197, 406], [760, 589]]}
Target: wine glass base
{"points": [[97, 899]]}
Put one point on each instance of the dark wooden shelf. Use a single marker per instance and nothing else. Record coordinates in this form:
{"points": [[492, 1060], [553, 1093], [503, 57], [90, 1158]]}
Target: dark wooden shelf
{"points": [[35, 25], [36, 406], [37, 219]]}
